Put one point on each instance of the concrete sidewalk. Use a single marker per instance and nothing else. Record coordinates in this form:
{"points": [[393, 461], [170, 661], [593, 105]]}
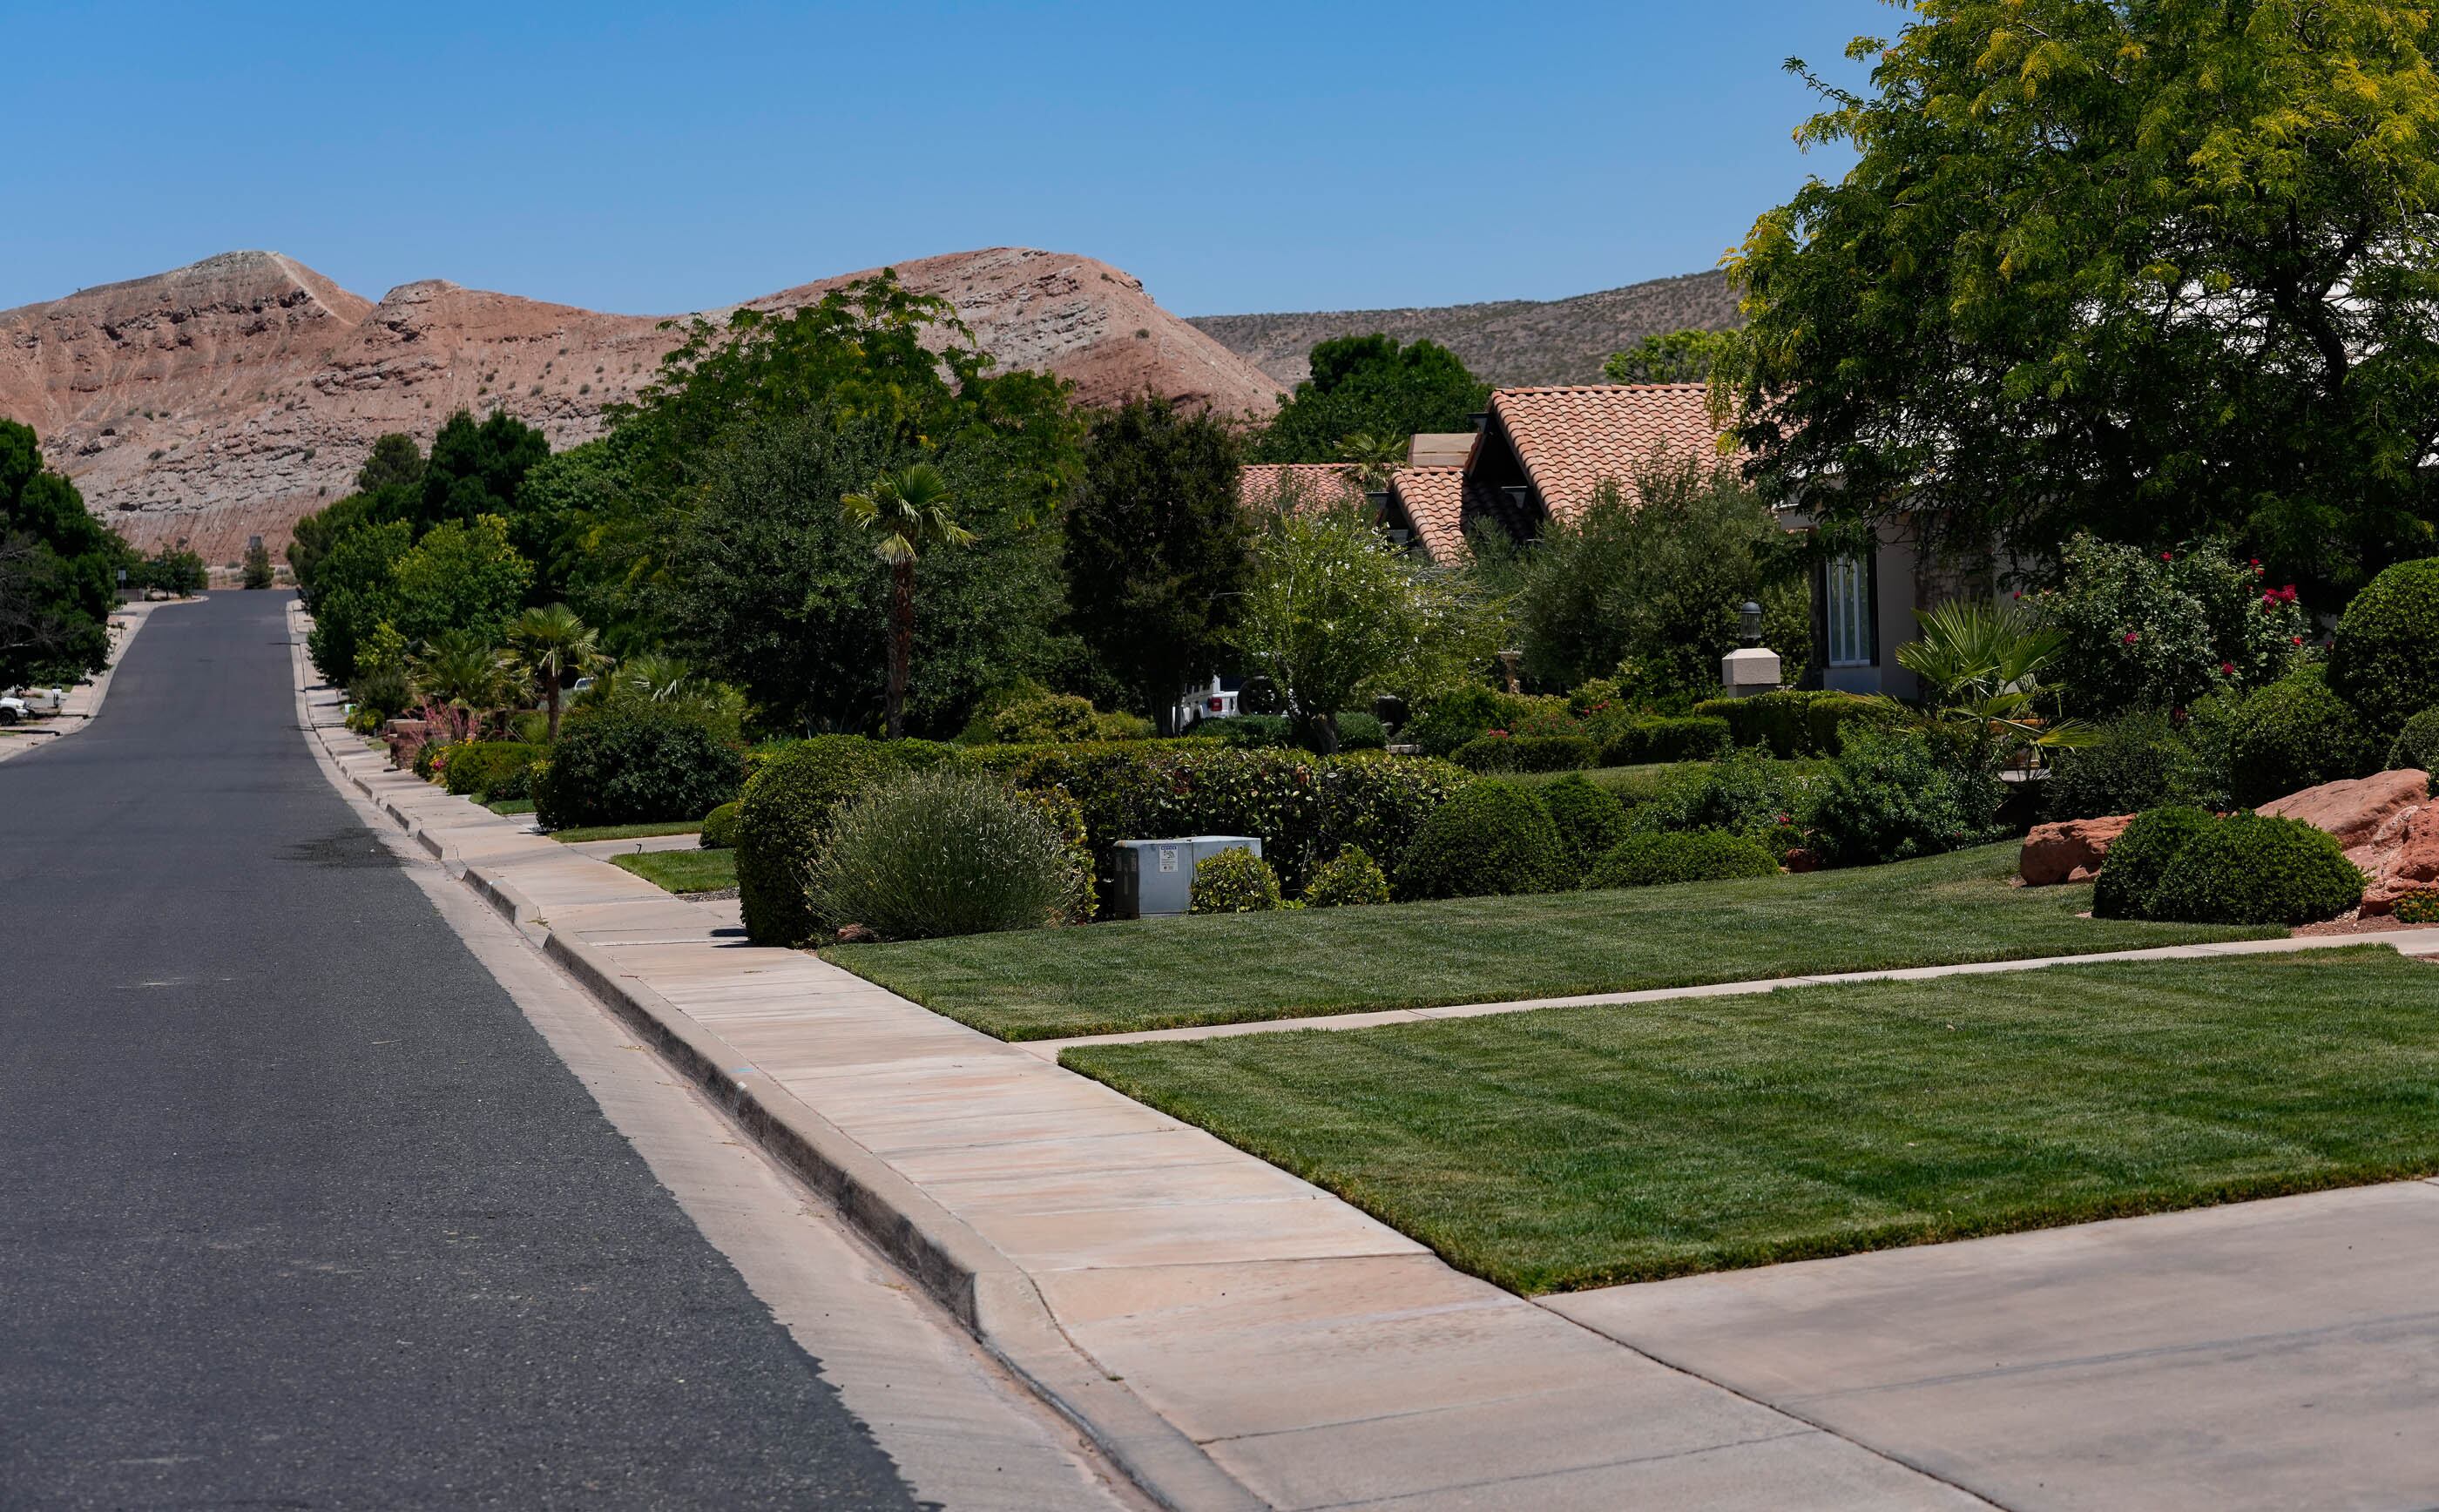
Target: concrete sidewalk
{"points": [[1234, 1337]]}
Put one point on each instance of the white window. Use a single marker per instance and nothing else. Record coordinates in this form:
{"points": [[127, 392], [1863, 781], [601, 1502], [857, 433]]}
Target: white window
{"points": [[1846, 586]]}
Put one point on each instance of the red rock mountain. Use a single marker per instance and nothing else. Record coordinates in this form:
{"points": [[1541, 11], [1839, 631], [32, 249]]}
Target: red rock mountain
{"points": [[230, 396]]}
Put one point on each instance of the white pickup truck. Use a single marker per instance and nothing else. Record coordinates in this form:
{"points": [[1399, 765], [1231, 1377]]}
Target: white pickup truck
{"points": [[24, 703]]}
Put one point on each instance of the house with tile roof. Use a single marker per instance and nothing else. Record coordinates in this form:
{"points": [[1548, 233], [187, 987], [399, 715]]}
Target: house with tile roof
{"points": [[1539, 454]]}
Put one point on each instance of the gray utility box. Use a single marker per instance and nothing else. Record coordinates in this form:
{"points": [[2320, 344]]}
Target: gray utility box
{"points": [[1156, 876]]}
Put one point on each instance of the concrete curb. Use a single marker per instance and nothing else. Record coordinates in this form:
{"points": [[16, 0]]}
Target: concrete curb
{"points": [[983, 1288]]}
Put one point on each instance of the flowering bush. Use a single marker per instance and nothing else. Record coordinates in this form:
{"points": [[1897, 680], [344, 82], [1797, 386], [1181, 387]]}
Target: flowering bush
{"points": [[2159, 629]]}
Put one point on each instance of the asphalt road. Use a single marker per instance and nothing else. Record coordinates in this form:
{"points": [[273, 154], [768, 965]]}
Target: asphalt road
{"points": [[295, 1208]]}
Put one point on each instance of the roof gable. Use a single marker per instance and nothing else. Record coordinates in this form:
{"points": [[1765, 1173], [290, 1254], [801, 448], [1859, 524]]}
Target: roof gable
{"points": [[1571, 437]]}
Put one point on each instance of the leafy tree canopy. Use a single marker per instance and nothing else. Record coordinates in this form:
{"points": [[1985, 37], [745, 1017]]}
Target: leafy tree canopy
{"points": [[1157, 548], [2158, 268], [57, 569], [1678, 357], [1372, 386]]}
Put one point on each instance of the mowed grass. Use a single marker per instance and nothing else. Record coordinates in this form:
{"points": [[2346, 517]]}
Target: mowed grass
{"points": [[1161, 974], [581, 832], [683, 871], [1573, 1148]]}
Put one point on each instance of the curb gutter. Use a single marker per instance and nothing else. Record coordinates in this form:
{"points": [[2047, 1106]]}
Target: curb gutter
{"points": [[981, 1286]]}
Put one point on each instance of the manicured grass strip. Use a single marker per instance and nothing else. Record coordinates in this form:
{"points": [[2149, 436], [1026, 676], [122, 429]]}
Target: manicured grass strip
{"points": [[510, 806], [688, 827], [1580, 1147], [683, 871], [1160, 974]]}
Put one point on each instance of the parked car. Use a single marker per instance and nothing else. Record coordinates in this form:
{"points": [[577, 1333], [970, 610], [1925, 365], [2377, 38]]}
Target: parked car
{"points": [[12, 710], [41, 699]]}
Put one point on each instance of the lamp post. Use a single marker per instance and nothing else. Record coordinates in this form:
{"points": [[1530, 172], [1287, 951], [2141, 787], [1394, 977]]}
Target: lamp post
{"points": [[1752, 669]]}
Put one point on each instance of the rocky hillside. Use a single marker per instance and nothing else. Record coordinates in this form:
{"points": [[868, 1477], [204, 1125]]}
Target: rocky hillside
{"points": [[228, 398], [1507, 342]]}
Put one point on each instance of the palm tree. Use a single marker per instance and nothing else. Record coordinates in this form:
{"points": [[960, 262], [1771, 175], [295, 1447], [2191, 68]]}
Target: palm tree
{"points": [[555, 645], [1373, 458], [463, 668], [910, 509], [1981, 661]]}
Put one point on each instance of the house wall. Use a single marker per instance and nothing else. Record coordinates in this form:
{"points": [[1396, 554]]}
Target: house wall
{"points": [[1898, 588]]}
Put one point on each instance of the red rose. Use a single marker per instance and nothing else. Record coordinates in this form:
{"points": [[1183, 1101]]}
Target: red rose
{"points": [[2299, 640], [2166, 557], [2131, 637], [2227, 668]]}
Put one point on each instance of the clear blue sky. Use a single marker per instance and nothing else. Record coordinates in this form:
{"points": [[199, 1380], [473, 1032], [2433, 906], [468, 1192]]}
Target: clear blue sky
{"points": [[655, 159]]}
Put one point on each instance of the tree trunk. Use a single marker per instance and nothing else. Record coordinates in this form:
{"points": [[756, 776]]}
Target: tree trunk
{"points": [[901, 642], [1320, 732], [551, 699]]}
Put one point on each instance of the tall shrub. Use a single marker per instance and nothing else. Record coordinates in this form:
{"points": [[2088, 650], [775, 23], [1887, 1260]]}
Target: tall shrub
{"points": [[783, 820], [634, 766], [2159, 629], [2385, 661]]}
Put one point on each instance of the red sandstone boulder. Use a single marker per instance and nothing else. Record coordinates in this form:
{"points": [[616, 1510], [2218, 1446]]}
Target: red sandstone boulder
{"points": [[2401, 857], [2354, 809], [2069, 851]]}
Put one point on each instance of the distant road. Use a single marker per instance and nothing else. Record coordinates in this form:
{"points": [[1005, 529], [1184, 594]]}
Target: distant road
{"points": [[296, 1210]]}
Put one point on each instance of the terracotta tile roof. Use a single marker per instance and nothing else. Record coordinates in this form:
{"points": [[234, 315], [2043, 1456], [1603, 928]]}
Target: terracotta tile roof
{"points": [[1317, 482], [1434, 499], [1438, 449], [1571, 437]]}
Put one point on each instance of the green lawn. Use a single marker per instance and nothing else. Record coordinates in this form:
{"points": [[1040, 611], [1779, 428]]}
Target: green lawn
{"points": [[686, 826], [1579, 1146], [1157, 973], [510, 806], [683, 871]]}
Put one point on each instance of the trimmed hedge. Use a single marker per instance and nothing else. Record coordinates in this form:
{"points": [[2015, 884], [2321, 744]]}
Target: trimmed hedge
{"points": [[1351, 879], [491, 769], [2248, 869], [1234, 881], [1356, 732], [786, 811], [635, 763], [2416, 747], [1526, 753], [1590, 820], [2385, 659], [2140, 856], [1492, 839], [1805, 722], [1700, 856], [2292, 735], [1304, 808], [1691, 738], [719, 828]]}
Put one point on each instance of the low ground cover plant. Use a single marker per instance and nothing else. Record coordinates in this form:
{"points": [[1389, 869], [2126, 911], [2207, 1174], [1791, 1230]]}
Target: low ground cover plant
{"points": [[1234, 881], [1974, 1105], [1701, 856], [940, 851]]}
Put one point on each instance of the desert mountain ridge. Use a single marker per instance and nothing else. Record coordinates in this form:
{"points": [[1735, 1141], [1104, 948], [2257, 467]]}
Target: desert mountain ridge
{"points": [[228, 398], [1508, 342]]}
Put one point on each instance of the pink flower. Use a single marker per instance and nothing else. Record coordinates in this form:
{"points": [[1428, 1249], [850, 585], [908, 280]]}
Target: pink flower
{"points": [[2299, 640], [2167, 557], [2227, 668], [2131, 637]]}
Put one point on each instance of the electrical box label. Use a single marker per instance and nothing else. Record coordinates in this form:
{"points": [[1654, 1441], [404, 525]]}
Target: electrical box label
{"points": [[1168, 858]]}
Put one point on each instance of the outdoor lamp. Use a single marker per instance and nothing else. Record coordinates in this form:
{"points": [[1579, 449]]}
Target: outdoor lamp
{"points": [[1749, 622]]}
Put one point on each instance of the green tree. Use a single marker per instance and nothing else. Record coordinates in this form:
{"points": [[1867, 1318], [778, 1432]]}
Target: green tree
{"points": [[394, 460], [257, 565], [1644, 585], [57, 569], [458, 578], [173, 570], [2157, 269], [555, 646], [351, 595], [907, 512], [764, 584], [1157, 549], [1334, 610], [1678, 357], [1370, 385], [476, 468], [467, 670]]}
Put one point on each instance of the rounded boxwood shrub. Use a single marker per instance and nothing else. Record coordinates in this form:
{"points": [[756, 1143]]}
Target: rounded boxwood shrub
{"points": [[1492, 838], [2292, 735], [2385, 661], [1590, 820], [1349, 880], [2140, 856], [491, 769], [780, 821], [720, 827], [1703, 855], [1526, 753], [2248, 869], [2416, 747], [938, 852], [2139, 762], [1234, 881], [635, 763]]}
